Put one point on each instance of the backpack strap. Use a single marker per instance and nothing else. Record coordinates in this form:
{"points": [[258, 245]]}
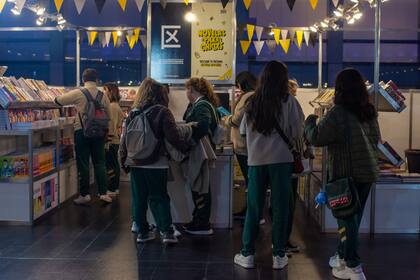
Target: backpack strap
{"points": [[86, 93]]}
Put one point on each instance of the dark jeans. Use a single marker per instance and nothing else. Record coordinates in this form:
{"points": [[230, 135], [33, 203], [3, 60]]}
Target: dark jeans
{"points": [[292, 206], [113, 167], [349, 229], [90, 148], [243, 164]]}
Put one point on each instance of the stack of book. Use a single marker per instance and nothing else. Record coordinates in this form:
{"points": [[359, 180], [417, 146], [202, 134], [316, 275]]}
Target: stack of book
{"points": [[391, 95], [66, 150], [29, 119], [388, 155], [326, 98]]}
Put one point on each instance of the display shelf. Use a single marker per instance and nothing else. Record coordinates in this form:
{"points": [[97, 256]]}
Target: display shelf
{"points": [[44, 175], [47, 105], [390, 99], [17, 132]]}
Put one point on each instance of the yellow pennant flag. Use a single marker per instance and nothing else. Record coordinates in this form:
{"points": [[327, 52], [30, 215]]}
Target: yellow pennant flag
{"points": [[58, 4], [115, 37], [299, 38], [276, 32], [285, 44], [250, 29], [314, 3], [2, 2], [245, 46], [92, 37], [131, 41], [123, 4], [247, 4], [186, 2], [137, 34]]}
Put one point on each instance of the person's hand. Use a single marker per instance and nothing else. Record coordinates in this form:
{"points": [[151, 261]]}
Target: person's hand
{"points": [[192, 124], [311, 119]]}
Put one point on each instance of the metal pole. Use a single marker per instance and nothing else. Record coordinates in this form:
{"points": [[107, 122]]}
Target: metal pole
{"points": [[78, 58], [320, 63], [376, 92], [410, 132]]}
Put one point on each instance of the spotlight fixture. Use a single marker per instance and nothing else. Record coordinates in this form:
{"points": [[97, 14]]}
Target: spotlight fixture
{"points": [[190, 17], [40, 11], [340, 11], [60, 27], [41, 21], [60, 19], [119, 33]]}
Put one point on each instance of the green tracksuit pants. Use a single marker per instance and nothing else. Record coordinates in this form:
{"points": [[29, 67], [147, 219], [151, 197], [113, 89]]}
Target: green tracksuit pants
{"points": [[149, 188], [113, 167], [348, 229], [278, 176], [292, 206], [243, 164], [90, 148]]}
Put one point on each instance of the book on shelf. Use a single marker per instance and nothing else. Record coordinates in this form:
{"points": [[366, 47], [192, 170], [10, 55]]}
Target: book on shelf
{"points": [[391, 94], [388, 154]]}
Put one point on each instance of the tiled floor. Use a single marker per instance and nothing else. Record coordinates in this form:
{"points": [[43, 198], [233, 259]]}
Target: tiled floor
{"points": [[95, 243]]}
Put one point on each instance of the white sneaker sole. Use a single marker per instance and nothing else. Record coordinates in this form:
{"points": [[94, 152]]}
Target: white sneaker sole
{"points": [[200, 232], [146, 240], [245, 265], [275, 267], [169, 241]]}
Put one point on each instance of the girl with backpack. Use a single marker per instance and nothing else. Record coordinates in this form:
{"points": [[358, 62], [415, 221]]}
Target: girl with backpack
{"points": [[201, 110], [272, 120], [149, 175], [111, 156]]}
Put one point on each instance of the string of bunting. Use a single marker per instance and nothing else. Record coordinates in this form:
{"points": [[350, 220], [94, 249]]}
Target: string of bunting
{"points": [[80, 4], [290, 3], [276, 37], [119, 38]]}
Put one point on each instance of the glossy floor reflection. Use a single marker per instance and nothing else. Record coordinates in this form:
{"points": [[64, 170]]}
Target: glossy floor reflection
{"points": [[95, 243]]}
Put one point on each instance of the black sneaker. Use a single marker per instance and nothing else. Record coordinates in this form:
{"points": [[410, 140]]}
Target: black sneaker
{"points": [[146, 237], [169, 238], [198, 229], [292, 248]]}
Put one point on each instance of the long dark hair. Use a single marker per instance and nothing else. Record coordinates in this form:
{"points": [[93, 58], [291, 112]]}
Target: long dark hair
{"points": [[265, 106], [246, 81], [115, 92], [352, 94]]}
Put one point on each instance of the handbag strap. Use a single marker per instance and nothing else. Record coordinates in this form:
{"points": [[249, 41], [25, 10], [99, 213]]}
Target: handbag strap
{"points": [[348, 141], [284, 137]]}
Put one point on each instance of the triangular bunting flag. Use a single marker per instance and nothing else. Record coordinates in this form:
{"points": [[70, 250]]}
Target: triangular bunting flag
{"points": [[285, 44], [258, 46], [272, 45], [299, 38], [79, 5], [139, 4], [91, 37], [268, 3], [259, 30], [2, 2], [137, 34], [58, 4], [163, 3], [19, 5], [123, 4], [247, 3], [107, 38], [121, 39], [314, 3], [131, 41], [291, 4], [276, 32], [100, 5], [284, 33], [186, 2], [250, 30], [241, 27], [292, 33], [245, 46], [101, 39], [336, 2], [312, 38], [143, 40], [115, 37], [307, 35], [224, 3]]}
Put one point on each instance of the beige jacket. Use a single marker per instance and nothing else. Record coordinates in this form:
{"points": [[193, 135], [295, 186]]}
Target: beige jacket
{"points": [[234, 122], [117, 117], [78, 99]]}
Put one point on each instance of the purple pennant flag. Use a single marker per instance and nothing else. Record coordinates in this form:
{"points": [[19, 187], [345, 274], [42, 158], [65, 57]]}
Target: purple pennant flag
{"points": [[100, 5], [291, 4]]}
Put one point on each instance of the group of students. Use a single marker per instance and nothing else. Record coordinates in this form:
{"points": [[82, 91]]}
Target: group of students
{"points": [[266, 119]]}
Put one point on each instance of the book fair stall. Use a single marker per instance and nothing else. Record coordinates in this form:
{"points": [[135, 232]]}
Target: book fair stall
{"points": [[201, 38]]}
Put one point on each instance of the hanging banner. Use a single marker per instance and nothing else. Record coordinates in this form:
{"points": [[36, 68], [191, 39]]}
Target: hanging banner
{"points": [[58, 4], [299, 38], [79, 5], [139, 4], [267, 4], [143, 40], [247, 4], [107, 38], [258, 46], [276, 32], [314, 3], [2, 2], [245, 46], [272, 45], [291, 4], [131, 41], [250, 30], [284, 33], [101, 39], [123, 4], [224, 3], [100, 5], [307, 35], [259, 30], [336, 2], [312, 39], [91, 37], [285, 44], [115, 37]]}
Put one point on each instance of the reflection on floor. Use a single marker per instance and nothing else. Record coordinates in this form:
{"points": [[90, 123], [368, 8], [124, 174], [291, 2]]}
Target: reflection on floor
{"points": [[95, 243]]}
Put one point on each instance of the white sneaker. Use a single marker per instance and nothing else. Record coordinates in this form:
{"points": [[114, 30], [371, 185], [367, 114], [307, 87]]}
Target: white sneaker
{"points": [[143, 238], [111, 193], [280, 262], [262, 222], [336, 261], [245, 262], [355, 273], [177, 233], [105, 198], [82, 200], [134, 227]]}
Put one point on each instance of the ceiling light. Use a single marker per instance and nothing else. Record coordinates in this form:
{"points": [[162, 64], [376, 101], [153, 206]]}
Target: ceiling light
{"points": [[351, 21], [60, 27], [119, 33], [325, 23], [40, 21], [40, 11], [313, 28], [60, 19], [190, 17], [340, 11]]}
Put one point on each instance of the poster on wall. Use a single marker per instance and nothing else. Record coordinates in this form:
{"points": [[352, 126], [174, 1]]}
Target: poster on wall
{"points": [[191, 40], [45, 195]]}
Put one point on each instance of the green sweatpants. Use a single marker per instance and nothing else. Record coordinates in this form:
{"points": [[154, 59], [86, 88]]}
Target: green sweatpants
{"points": [[149, 187], [113, 167], [243, 164], [278, 176], [292, 206], [86, 148], [348, 229]]}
